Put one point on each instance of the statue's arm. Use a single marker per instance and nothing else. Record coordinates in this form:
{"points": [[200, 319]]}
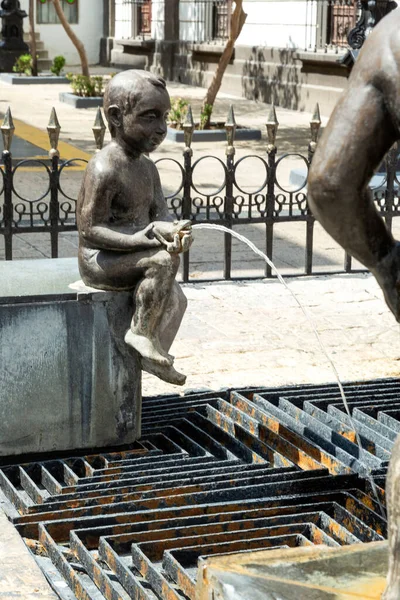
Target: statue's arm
{"points": [[360, 132], [95, 226]]}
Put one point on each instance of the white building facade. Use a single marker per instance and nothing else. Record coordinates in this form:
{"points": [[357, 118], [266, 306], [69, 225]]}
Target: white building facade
{"points": [[86, 18], [287, 51]]}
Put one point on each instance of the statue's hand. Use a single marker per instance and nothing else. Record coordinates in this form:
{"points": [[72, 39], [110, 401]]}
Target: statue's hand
{"points": [[174, 247], [180, 244], [387, 274], [186, 241], [168, 229]]}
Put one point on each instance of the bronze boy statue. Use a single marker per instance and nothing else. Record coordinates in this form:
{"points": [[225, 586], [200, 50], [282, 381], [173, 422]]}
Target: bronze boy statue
{"points": [[364, 126], [127, 238]]}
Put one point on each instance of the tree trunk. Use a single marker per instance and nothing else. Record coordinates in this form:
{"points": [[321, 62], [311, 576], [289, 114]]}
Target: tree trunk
{"points": [[32, 38], [70, 33], [238, 19]]}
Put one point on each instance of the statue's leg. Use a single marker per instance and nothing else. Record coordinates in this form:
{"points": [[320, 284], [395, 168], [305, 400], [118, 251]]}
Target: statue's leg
{"points": [[173, 316], [151, 274], [153, 297], [359, 133], [392, 591]]}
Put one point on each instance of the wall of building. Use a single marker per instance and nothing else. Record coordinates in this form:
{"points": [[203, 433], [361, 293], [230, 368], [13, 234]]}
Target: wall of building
{"points": [[279, 24], [157, 19], [272, 23], [286, 77], [89, 30]]}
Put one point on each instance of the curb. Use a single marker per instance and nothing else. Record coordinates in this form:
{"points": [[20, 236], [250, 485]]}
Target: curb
{"points": [[80, 102], [25, 80], [213, 135]]}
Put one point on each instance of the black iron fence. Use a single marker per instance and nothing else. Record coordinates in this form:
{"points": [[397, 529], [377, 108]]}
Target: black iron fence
{"points": [[230, 203]]}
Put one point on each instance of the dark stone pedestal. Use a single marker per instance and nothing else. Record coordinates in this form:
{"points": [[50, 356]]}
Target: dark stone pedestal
{"points": [[8, 58], [12, 33], [68, 380]]}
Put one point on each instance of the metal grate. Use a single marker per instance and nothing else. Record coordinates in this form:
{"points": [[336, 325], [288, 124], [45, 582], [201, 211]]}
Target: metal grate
{"points": [[215, 473]]}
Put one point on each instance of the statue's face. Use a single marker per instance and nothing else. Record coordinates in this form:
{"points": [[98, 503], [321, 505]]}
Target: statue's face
{"points": [[145, 127]]}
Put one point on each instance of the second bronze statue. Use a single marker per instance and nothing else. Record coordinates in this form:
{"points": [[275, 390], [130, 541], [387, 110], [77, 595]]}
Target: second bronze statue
{"points": [[127, 238]]}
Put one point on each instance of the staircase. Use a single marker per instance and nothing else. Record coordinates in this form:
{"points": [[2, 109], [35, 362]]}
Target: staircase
{"points": [[44, 62]]}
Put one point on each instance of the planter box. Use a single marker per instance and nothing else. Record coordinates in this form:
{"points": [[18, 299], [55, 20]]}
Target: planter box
{"points": [[25, 80], [214, 135], [79, 102], [66, 381]]}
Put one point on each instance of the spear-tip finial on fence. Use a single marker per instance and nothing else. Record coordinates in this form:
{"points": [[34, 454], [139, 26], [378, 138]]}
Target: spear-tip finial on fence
{"points": [[230, 127], [272, 128], [315, 124], [99, 129], [7, 130], [188, 127], [53, 130]]}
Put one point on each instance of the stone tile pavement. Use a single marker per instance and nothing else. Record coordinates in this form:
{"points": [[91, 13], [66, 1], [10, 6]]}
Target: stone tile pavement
{"points": [[254, 333]]}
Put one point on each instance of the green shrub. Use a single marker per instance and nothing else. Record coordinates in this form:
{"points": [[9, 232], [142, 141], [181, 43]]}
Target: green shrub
{"points": [[205, 116], [23, 65], [86, 87], [178, 112], [58, 65]]}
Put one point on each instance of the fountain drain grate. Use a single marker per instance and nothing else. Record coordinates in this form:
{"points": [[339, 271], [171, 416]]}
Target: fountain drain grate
{"points": [[214, 473]]}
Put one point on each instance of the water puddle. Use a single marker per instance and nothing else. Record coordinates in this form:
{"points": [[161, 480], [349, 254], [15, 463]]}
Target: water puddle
{"points": [[310, 321]]}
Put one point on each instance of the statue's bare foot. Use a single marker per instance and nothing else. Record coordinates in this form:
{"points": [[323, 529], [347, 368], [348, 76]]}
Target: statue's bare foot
{"points": [[168, 374], [147, 349]]}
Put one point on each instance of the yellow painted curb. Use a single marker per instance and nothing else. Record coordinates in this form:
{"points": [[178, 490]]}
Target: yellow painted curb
{"points": [[39, 138]]}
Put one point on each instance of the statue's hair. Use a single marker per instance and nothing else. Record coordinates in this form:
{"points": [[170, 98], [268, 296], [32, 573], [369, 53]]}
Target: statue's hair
{"points": [[124, 90]]}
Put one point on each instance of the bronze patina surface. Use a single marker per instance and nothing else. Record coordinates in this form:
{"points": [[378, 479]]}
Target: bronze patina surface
{"points": [[128, 240], [363, 128]]}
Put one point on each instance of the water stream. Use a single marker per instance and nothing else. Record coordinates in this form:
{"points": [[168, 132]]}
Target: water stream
{"points": [[325, 352]]}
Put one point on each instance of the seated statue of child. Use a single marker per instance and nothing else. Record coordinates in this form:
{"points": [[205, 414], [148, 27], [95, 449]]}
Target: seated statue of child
{"points": [[127, 238]]}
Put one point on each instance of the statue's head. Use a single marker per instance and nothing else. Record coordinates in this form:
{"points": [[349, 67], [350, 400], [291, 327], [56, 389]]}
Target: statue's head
{"points": [[136, 105]]}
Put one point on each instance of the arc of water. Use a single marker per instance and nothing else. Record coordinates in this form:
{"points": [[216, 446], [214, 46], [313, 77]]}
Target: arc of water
{"points": [[315, 331]]}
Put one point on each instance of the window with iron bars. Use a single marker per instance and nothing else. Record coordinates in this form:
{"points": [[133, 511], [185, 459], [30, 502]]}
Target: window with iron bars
{"points": [[46, 13], [221, 18], [204, 20], [133, 18]]}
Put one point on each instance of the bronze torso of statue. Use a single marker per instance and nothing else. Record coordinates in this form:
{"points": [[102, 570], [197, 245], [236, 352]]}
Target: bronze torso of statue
{"points": [[364, 126], [127, 238]]}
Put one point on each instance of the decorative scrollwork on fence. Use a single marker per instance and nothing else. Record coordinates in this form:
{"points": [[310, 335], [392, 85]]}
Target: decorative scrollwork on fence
{"points": [[208, 189]]}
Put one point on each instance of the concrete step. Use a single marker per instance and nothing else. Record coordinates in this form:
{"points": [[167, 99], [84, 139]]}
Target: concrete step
{"points": [[39, 45], [26, 36], [43, 54], [44, 64]]}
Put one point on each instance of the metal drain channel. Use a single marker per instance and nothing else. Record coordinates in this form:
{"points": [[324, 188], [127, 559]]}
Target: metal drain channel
{"points": [[214, 473]]}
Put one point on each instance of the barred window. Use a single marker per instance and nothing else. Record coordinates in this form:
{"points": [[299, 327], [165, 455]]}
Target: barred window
{"points": [[46, 13]]}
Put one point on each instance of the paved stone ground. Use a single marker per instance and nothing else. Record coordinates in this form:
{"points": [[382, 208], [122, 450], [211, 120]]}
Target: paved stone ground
{"points": [[20, 576], [239, 334]]}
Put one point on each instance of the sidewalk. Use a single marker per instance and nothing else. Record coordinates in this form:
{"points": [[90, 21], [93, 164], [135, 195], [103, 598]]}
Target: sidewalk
{"points": [[246, 334], [33, 103]]}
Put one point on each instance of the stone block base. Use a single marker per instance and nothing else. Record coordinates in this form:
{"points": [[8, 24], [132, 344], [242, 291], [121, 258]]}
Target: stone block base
{"points": [[68, 381]]}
